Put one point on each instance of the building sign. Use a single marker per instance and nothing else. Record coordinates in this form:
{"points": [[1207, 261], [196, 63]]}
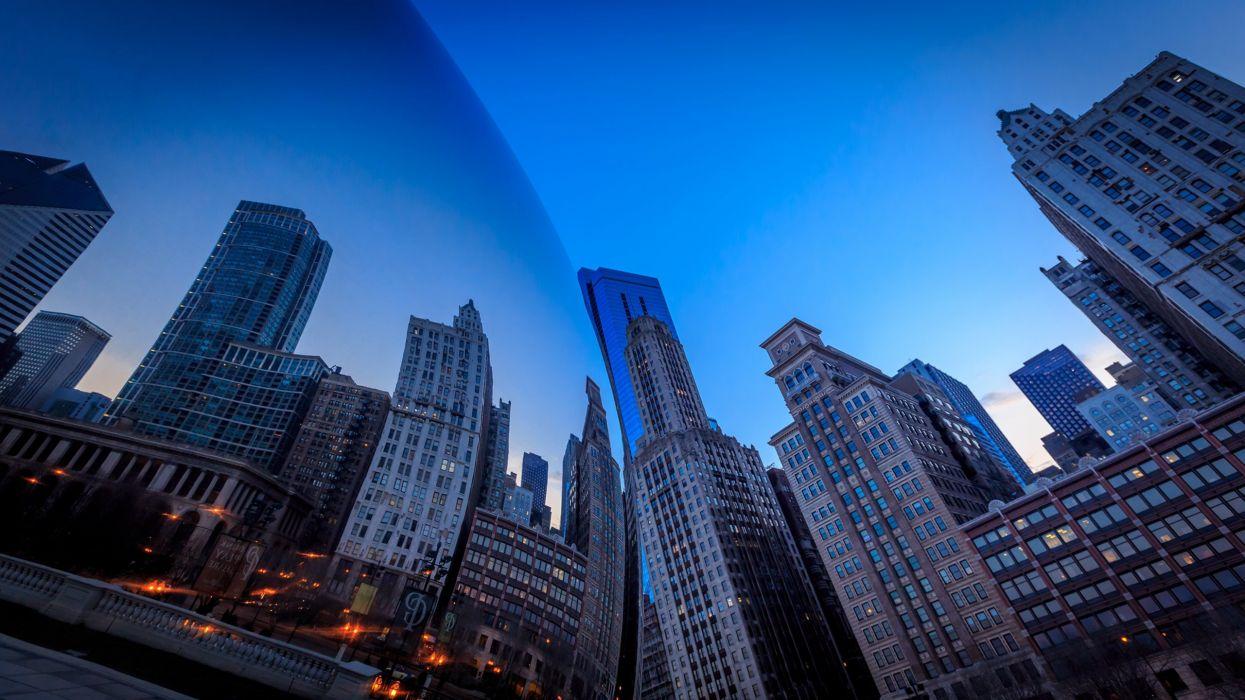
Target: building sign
{"points": [[413, 610], [363, 598]]}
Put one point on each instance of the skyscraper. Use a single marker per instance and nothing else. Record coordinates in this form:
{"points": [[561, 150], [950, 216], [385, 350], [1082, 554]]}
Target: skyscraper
{"points": [[884, 495], [1055, 381], [568, 483], [854, 673], [516, 505], [614, 299], [229, 343], [973, 413], [497, 455], [976, 462], [408, 516], [535, 473], [50, 211], [331, 452], [1182, 374], [738, 617], [594, 525], [1146, 185], [56, 350]]}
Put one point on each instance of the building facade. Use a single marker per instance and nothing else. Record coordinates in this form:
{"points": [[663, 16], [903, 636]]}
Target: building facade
{"points": [[884, 497], [497, 446], [737, 616], [614, 299], [972, 412], [1123, 416], [854, 673], [517, 502], [240, 320], [56, 351], [78, 405], [409, 514], [535, 473], [1147, 185], [331, 452], [1054, 381], [993, 479], [595, 526], [517, 603], [50, 211], [216, 517], [1145, 549], [1184, 377]]}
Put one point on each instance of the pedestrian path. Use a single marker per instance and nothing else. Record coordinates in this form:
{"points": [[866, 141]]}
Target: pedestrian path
{"points": [[33, 672]]}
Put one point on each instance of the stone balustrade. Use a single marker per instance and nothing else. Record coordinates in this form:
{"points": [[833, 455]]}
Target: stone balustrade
{"points": [[108, 608]]}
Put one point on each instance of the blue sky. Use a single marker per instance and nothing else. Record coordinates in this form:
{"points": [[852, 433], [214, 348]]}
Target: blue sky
{"points": [[769, 160], [765, 160]]}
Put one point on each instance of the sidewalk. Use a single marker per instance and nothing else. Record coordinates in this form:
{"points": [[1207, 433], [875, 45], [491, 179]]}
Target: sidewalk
{"points": [[29, 671]]}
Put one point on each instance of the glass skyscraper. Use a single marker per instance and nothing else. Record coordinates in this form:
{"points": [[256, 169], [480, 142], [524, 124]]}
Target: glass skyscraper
{"points": [[221, 374], [613, 299], [55, 351], [50, 212], [1055, 381], [975, 415]]}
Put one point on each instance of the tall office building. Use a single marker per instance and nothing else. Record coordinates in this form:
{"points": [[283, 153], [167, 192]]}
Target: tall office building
{"points": [[331, 452], [497, 455], [991, 478], [222, 374], [1055, 381], [568, 483], [516, 504], [975, 415], [1184, 377], [1147, 185], [884, 496], [854, 673], [79, 405], [614, 299], [738, 616], [594, 525], [535, 473], [50, 211], [56, 350], [409, 513], [654, 680]]}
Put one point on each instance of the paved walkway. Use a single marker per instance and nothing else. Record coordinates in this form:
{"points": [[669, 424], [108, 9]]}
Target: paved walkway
{"points": [[29, 672]]}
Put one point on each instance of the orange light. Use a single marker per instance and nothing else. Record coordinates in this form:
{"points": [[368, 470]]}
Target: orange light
{"points": [[1124, 640], [148, 550], [31, 480], [312, 555], [59, 472], [172, 516]]}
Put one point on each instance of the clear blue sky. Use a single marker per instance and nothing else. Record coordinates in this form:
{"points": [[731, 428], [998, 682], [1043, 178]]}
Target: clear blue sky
{"points": [[832, 162], [765, 160]]}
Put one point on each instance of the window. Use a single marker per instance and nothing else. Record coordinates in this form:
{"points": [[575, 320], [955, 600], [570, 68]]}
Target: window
{"points": [[1154, 497], [1178, 525], [1208, 474], [1211, 308]]}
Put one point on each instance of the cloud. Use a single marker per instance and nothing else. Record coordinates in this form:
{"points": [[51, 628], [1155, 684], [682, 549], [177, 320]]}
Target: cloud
{"points": [[997, 400]]}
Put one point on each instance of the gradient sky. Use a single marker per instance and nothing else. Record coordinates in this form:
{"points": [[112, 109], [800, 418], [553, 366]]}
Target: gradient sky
{"points": [[764, 160], [840, 164]]}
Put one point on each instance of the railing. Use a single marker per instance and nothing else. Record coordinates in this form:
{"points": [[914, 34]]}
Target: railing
{"points": [[107, 608]]}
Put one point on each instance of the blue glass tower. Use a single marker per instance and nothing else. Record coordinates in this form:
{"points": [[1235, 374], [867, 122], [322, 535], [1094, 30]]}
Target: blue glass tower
{"points": [[221, 374], [1055, 381], [613, 299], [975, 415]]}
